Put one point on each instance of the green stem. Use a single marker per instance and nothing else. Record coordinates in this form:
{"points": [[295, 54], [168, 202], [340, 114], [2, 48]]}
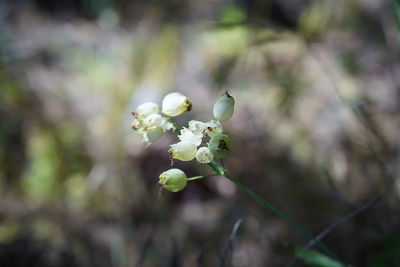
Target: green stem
{"points": [[222, 172], [195, 178], [174, 123]]}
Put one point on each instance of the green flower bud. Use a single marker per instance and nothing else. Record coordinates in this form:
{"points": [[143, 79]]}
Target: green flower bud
{"points": [[223, 108], [175, 104], [173, 180], [220, 145]]}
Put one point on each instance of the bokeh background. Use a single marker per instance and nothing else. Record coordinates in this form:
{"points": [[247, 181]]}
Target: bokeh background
{"points": [[316, 130]]}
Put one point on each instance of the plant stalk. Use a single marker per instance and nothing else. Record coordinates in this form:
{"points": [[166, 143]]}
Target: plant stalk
{"points": [[219, 170]]}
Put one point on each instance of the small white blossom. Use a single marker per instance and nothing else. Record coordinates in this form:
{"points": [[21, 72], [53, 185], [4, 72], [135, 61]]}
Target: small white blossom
{"points": [[149, 123], [213, 128], [189, 136], [204, 155], [152, 135], [153, 120], [183, 150], [136, 125], [175, 104], [197, 127], [146, 109]]}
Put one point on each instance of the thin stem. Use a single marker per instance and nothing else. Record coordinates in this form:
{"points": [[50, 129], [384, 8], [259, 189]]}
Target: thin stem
{"points": [[226, 256], [222, 172], [195, 178], [330, 228]]}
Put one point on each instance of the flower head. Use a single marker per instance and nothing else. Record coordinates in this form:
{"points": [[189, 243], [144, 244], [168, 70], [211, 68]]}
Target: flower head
{"points": [[197, 127], [173, 180], [146, 109], [204, 155], [183, 150], [153, 120], [150, 123], [189, 136], [213, 128], [175, 104]]}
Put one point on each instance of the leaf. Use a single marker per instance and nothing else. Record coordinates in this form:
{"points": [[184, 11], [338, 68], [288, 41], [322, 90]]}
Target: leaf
{"points": [[317, 259]]}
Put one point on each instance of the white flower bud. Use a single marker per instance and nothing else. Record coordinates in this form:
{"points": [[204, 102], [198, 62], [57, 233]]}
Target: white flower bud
{"points": [[175, 104], [152, 135], [213, 128], [197, 127], [173, 180], [223, 108], [146, 109], [204, 155], [183, 150], [189, 136]]}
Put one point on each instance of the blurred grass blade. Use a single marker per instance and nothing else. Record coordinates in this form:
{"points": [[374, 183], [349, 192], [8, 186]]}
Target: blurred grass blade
{"points": [[222, 171], [397, 13], [317, 259]]}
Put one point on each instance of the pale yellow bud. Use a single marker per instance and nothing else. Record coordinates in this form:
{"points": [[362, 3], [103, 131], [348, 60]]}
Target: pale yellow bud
{"points": [[173, 180], [183, 150], [175, 104]]}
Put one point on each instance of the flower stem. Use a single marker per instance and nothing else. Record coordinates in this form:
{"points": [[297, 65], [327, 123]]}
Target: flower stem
{"points": [[195, 178], [219, 170]]}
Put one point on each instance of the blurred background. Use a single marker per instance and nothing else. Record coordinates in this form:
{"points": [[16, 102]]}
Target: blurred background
{"points": [[316, 130]]}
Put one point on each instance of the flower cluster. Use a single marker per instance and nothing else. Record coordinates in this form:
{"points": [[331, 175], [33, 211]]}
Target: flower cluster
{"points": [[193, 138], [151, 124]]}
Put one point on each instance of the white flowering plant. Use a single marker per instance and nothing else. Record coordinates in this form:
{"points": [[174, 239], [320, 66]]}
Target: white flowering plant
{"points": [[203, 141]]}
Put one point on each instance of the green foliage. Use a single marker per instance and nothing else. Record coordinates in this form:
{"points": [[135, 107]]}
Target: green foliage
{"points": [[40, 182], [8, 231], [389, 254], [397, 12], [232, 15], [317, 259]]}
